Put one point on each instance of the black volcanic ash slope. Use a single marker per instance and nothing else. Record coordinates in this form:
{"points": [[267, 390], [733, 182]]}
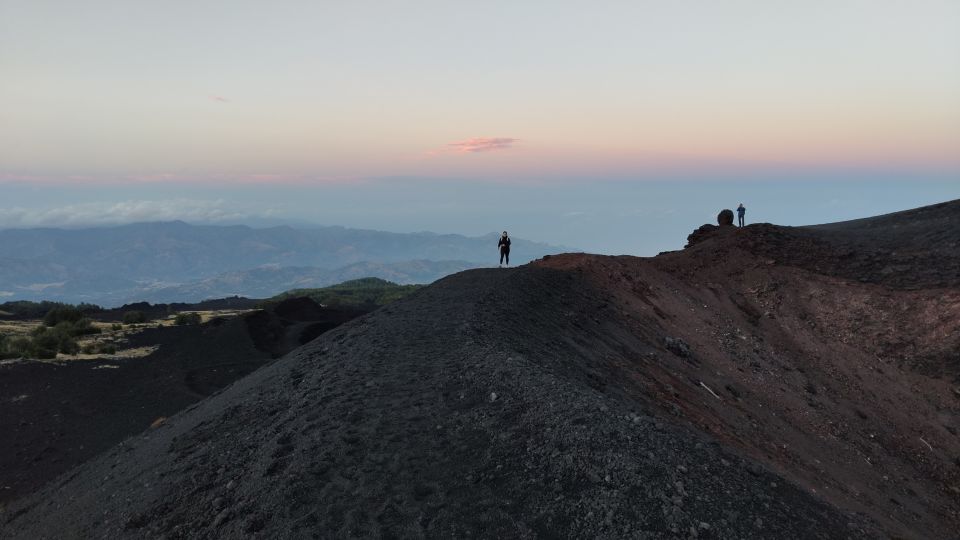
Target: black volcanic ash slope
{"points": [[464, 410], [56, 415]]}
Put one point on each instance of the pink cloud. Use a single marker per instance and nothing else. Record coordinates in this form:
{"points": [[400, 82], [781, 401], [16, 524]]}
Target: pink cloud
{"points": [[221, 99], [483, 144]]}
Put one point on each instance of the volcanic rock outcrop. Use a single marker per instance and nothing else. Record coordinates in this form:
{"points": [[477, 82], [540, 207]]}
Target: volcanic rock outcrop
{"points": [[725, 217], [815, 395]]}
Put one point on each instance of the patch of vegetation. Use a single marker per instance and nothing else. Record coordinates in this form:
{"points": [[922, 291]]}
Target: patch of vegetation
{"points": [[25, 309], [15, 347], [45, 342], [62, 314], [134, 317], [99, 348], [186, 318], [366, 293]]}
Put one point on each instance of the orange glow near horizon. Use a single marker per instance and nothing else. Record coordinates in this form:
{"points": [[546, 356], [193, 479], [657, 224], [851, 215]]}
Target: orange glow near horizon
{"points": [[510, 94]]}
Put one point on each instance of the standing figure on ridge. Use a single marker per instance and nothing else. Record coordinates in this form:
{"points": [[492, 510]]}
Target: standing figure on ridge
{"points": [[740, 213], [504, 246]]}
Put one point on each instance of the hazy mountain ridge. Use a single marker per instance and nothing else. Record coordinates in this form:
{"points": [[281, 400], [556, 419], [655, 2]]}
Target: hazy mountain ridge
{"points": [[135, 262]]}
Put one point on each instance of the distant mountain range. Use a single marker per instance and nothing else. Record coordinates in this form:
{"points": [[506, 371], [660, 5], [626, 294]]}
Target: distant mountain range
{"points": [[179, 262]]}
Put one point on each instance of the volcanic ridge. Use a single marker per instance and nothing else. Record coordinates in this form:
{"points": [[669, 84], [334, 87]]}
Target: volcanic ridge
{"points": [[764, 382]]}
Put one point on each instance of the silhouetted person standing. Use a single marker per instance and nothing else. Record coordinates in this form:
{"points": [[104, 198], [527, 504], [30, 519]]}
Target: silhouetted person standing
{"points": [[504, 246], [741, 211]]}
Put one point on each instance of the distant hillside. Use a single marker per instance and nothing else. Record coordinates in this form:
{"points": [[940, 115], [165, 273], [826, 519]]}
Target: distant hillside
{"points": [[367, 292], [268, 281], [175, 261]]}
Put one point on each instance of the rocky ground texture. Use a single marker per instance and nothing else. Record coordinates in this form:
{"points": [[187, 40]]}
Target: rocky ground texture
{"points": [[765, 382], [57, 415]]}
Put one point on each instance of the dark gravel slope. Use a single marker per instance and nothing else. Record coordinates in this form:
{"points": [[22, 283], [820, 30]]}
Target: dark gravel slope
{"points": [[766, 382], [465, 410], [56, 415]]}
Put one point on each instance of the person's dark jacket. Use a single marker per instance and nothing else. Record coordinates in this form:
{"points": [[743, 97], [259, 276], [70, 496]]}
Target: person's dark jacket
{"points": [[504, 243]]}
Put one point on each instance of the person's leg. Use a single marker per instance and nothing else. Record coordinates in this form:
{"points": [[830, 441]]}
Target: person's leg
{"points": [[508, 257], [501, 256]]}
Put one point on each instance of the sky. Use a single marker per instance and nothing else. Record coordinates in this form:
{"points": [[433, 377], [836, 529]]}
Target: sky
{"points": [[614, 127]]}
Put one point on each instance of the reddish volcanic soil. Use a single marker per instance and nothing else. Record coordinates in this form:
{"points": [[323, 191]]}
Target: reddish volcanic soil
{"points": [[765, 382], [851, 389]]}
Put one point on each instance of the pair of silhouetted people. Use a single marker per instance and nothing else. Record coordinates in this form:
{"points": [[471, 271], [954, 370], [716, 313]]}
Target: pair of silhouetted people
{"points": [[504, 243], [504, 246]]}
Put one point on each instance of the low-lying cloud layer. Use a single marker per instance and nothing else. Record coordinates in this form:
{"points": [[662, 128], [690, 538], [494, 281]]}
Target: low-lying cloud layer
{"points": [[483, 144], [132, 211]]}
